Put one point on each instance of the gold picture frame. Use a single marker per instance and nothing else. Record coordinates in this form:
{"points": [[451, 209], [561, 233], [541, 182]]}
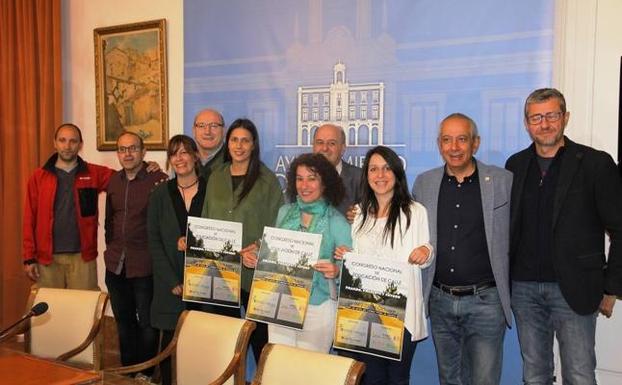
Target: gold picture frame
{"points": [[131, 90]]}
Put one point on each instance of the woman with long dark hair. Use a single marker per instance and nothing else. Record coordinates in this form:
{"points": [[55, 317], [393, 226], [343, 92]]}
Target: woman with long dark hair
{"points": [[390, 224], [170, 205], [315, 190], [244, 190]]}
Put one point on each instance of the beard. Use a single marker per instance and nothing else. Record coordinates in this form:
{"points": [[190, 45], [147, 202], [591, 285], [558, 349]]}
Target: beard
{"points": [[67, 156], [549, 140]]}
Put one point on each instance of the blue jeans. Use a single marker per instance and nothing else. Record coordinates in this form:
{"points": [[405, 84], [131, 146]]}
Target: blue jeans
{"points": [[468, 336], [130, 299], [541, 312]]}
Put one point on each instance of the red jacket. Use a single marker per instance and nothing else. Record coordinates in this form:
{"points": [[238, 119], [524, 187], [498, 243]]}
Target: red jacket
{"points": [[39, 209]]}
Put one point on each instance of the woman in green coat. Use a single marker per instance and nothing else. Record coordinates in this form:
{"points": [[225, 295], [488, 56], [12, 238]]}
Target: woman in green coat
{"points": [[244, 190]]}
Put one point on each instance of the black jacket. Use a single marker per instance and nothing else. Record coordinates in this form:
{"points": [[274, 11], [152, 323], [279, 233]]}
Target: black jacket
{"points": [[587, 202]]}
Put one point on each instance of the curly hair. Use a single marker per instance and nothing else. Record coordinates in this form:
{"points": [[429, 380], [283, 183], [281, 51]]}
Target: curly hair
{"points": [[331, 181]]}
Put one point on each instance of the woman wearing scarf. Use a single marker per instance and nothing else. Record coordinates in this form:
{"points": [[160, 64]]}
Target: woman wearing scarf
{"points": [[315, 189]]}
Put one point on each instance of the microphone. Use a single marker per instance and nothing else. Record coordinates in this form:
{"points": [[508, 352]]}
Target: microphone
{"points": [[35, 311], [39, 309]]}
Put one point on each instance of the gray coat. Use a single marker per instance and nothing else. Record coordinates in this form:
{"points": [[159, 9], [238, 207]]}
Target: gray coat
{"points": [[351, 177], [495, 186]]}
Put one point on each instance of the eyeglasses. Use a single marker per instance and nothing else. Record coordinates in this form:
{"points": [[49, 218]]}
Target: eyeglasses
{"points": [[549, 116], [131, 149], [211, 126]]}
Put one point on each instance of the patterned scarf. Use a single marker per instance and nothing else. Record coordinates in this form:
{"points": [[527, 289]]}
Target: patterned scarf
{"points": [[293, 217]]}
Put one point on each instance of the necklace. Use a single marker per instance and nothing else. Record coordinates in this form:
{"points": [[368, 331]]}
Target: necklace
{"points": [[188, 186], [183, 193]]}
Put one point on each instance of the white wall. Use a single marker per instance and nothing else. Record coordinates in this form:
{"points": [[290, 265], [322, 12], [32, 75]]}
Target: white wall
{"points": [[80, 18], [587, 71]]}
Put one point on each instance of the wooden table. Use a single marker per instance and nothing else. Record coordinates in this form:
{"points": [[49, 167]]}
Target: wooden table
{"points": [[25, 369]]}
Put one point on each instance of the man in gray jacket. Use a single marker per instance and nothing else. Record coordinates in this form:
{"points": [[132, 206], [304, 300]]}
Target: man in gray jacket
{"points": [[467, 285]]}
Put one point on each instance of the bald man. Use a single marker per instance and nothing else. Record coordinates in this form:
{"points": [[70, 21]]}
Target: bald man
{"points": [[330, 141], [208, 130]]}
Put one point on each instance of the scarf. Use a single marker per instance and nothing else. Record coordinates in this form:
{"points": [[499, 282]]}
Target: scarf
{"points": [[319, 210]]}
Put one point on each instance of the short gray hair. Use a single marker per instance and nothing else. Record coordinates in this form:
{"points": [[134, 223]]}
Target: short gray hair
{"points": [[544, 94], [459, 115]]}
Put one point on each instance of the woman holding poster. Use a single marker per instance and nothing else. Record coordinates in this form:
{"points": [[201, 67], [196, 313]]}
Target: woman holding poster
{"points": [[170, 205], [390, 224], [244, 190], [315, 189]]}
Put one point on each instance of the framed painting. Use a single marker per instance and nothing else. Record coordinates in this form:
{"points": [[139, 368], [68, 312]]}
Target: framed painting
{"points": [[130, 83]]}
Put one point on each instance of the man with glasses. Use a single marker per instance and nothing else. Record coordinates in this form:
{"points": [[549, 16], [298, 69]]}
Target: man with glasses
{"points": [[208, 133], [565, 196], [330, 141], [60, 216], [128, 263]]}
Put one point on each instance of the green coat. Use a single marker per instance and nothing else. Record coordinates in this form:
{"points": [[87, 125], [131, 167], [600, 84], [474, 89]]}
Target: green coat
{"points": [[168, 262], [258, 209]]}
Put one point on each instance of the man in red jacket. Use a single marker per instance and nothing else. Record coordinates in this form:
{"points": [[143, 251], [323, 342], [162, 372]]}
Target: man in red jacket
{"points": [[61, 216]]}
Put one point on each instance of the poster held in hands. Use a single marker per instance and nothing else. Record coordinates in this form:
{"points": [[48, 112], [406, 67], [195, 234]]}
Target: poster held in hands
{"points": [[212, 268], [283, 277], [371, 306]]}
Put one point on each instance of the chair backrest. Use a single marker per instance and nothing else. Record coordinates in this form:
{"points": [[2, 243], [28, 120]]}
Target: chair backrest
{"points": [[207, 343], [72, 321], [280, 364]]}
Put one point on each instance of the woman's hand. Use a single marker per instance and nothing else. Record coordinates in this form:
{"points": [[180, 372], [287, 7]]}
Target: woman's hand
{"points": [[249, 255], [181, 244], [329, 269], [419, 256], [177, 290], [340, 251]]}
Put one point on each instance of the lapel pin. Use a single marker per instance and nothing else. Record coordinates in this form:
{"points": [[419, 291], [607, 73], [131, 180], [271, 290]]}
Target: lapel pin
{"points": [[487, 178]]}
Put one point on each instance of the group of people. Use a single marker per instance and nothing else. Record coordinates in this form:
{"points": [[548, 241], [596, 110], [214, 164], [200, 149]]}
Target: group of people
{"points": [[482, 242]]}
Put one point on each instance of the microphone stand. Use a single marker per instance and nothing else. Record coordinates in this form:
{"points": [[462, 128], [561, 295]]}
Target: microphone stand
{"points": [[5, 332]]}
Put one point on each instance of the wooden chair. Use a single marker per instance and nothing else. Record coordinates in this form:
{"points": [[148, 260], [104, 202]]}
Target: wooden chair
{"points": [[207, 349], [70, 329], [280, 364]]}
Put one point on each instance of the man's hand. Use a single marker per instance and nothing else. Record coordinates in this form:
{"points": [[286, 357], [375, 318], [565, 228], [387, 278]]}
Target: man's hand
{"points": [[152, 166], [249, 255], [32, 271], [606, 305], [351, 213]]}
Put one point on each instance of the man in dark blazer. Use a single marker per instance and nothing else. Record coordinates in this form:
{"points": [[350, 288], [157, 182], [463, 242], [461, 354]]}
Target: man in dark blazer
{"points": [[468, 205], [565, 196], [330, 141]]}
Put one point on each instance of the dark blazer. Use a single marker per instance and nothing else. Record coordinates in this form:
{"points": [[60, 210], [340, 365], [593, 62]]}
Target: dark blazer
{"points": [[351, 177], [587, 202], [168, 262], [495, 186]]}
